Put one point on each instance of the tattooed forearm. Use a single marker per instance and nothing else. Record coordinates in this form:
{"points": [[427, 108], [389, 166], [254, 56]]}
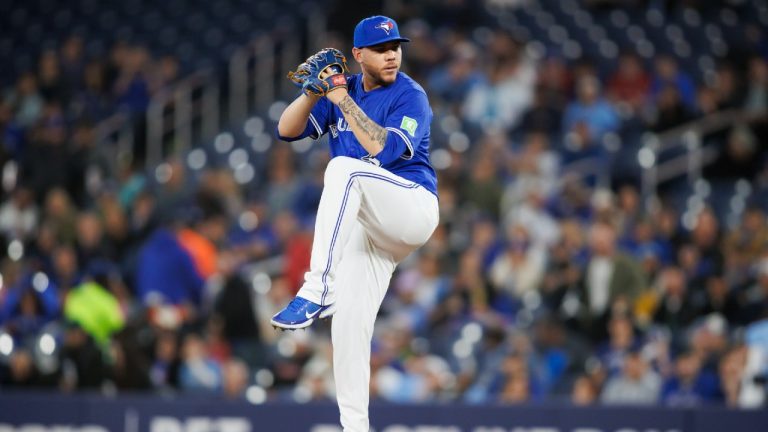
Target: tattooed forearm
{"points": [[375, 133]]}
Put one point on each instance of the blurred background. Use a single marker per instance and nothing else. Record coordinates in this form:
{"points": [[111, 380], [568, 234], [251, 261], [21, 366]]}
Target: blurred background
{"points": [[603, 188]]}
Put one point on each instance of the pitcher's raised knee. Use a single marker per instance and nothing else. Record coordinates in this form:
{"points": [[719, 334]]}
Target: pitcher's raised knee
{"points": [[341, 168]]}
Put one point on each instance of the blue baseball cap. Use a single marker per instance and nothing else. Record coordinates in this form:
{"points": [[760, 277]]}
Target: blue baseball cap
{"points": [[376, 30]]}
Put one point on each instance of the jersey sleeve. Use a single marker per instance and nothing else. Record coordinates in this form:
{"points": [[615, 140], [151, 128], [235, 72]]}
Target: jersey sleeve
{"points": [[406, 126], [317, 124]]}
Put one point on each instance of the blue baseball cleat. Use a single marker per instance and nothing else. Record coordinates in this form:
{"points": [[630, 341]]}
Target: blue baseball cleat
{"points": [[301, 313]]}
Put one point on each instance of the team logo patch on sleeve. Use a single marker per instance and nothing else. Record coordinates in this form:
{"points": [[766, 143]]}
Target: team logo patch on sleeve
{"points": [[409, 125]]}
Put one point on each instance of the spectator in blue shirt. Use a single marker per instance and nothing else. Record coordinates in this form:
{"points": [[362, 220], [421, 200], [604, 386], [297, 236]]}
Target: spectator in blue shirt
{"points": [[667, 73], [591, 109], [29, 305], [166, 273], [690, 386]]}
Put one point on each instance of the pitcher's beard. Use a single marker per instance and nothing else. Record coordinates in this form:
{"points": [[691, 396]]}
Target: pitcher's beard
{"points": [[380, 80]]}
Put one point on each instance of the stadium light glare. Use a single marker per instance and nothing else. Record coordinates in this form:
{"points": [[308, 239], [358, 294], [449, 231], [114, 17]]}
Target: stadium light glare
{"points": [[237, 158], [15, 250], [696, 206], [244, 174], [654, 17], [743, 187], [532, 300], [163, 173], [702, 188], [619, 18], [261, 142], [6, 344], [248, 221], [256, 395], [689, 220], [301, 394], [276, 110], [253, 126], [462, 349], [196, 159], [737, 204], [459, 142], [692, 17], [261, 283], [524, 318], [449, 124], [286, 347], [694, 201], [47, 344], [645, 48], [264, 377], [40, 282], [535, 50], [224, 142], [472, 332], [441, 159], [646, 158]]}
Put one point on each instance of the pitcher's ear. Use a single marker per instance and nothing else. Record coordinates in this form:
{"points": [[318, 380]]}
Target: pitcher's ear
{"points": [[357, 53]]}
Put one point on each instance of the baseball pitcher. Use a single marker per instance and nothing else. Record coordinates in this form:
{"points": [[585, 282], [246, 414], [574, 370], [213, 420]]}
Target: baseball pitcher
{"points": [[379, 201]]}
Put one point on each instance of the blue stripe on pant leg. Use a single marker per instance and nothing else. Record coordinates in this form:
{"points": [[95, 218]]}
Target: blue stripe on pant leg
{"points": [[341, 216]]}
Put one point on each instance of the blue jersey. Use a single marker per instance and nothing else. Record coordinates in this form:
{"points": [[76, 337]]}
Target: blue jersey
{"points": [[401, 108]]}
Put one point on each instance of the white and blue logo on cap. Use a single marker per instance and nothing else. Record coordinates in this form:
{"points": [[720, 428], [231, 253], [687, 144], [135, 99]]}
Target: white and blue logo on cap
{"points": [[376, 30], [387, 26]]}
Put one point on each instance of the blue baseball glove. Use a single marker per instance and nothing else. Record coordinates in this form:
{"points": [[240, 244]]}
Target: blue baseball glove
{"points": [[321, 72]]}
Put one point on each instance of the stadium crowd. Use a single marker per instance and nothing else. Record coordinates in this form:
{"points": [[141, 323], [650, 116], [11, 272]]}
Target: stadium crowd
{"points": [[535, 286]]}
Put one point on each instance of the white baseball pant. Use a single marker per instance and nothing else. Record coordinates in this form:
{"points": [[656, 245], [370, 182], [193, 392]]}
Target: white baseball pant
{"points": [[367, 222]]}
